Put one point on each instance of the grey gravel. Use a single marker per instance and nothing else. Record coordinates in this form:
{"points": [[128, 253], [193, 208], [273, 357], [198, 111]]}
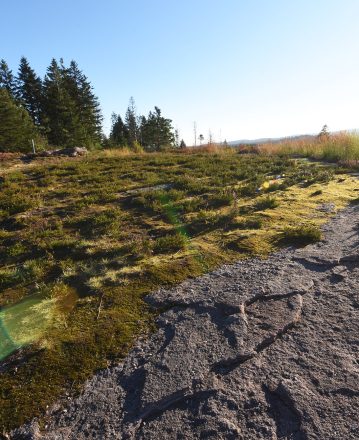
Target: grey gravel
{"points": [[254, 350]]}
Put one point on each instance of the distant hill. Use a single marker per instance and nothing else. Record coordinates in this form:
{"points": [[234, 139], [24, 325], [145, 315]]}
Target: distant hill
{"points": [[284, 138], [270, 140]]}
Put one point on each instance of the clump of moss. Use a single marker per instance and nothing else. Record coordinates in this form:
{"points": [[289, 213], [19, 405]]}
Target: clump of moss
{"points": [[251, 245]]}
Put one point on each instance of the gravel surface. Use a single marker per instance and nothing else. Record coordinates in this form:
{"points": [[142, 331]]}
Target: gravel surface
{"points": [[255, 350]]}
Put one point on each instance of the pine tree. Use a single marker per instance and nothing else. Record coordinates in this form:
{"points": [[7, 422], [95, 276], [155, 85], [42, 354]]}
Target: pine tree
{"points": [[29, 91], [131, 123], [7, 81], [16, 126], [119, 132]]}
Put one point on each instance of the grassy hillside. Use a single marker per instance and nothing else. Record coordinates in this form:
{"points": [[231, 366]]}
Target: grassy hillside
{"points": [[83, 240]]}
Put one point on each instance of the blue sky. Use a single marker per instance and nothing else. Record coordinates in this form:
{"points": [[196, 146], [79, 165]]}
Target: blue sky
{"points": [[239, 68]]}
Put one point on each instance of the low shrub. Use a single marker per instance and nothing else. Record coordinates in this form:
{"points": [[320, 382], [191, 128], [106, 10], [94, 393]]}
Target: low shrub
{"points": [[301, 235], [249, 223], [219, 200], [14, 202], [266, 203], [170, 243], [107, 222], [316, 193]]}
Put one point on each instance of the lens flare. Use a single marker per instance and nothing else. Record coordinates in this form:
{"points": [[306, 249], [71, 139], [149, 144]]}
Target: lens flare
{"points": [[174, 217], [29, 320]]}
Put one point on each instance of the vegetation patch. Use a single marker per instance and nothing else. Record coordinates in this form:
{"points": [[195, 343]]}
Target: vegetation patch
{"points": [[83, 240]]}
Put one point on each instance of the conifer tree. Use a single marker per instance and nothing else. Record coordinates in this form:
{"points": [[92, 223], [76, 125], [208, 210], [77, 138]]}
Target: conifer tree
{"points": [[73, 116], [7, 81], [157, 131], [131, 123], [87, 106], [119, 132], [29, 91], [16, 127], [182, 144], [60, 110], [324, 133]]}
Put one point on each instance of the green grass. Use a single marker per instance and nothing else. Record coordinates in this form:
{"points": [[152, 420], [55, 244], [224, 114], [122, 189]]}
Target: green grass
{"points": [[73, 231]]}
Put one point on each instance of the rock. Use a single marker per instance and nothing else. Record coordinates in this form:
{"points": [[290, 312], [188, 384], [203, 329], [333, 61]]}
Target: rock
{"points": [[340, 272], [71, 152], [326, 207]]}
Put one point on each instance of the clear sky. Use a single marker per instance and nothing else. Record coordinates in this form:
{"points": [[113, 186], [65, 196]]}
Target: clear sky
{"points": [[240, 68]]}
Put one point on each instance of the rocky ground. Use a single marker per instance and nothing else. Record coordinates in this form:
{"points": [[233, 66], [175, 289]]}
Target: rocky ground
{"points": [[255, 350]]}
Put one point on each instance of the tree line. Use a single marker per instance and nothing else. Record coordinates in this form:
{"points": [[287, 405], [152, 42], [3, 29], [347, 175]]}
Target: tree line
{"points": [[61, 110]]}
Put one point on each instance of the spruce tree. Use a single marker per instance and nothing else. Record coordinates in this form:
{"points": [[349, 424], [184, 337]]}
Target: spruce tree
{"points": [[60, 110], [157, 131], [131, 123], [87, 106], [73, 116], [7, 81], [16, 126], [119, 132], [182, 144], [29, 91]]}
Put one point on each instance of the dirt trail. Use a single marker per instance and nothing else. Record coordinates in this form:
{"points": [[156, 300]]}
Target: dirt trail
{"points": [[255, 350]]}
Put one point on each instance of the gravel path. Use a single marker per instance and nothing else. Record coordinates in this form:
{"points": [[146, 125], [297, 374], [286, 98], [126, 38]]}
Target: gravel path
{"points": [[255, 350]]}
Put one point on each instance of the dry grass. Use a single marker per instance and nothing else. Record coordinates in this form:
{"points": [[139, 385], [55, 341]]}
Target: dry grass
{"points": [[210, 149], [342, 148], [117, 152]]}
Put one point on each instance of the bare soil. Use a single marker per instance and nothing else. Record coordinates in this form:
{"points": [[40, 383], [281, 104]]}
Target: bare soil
{"points": [[261, 349]]}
